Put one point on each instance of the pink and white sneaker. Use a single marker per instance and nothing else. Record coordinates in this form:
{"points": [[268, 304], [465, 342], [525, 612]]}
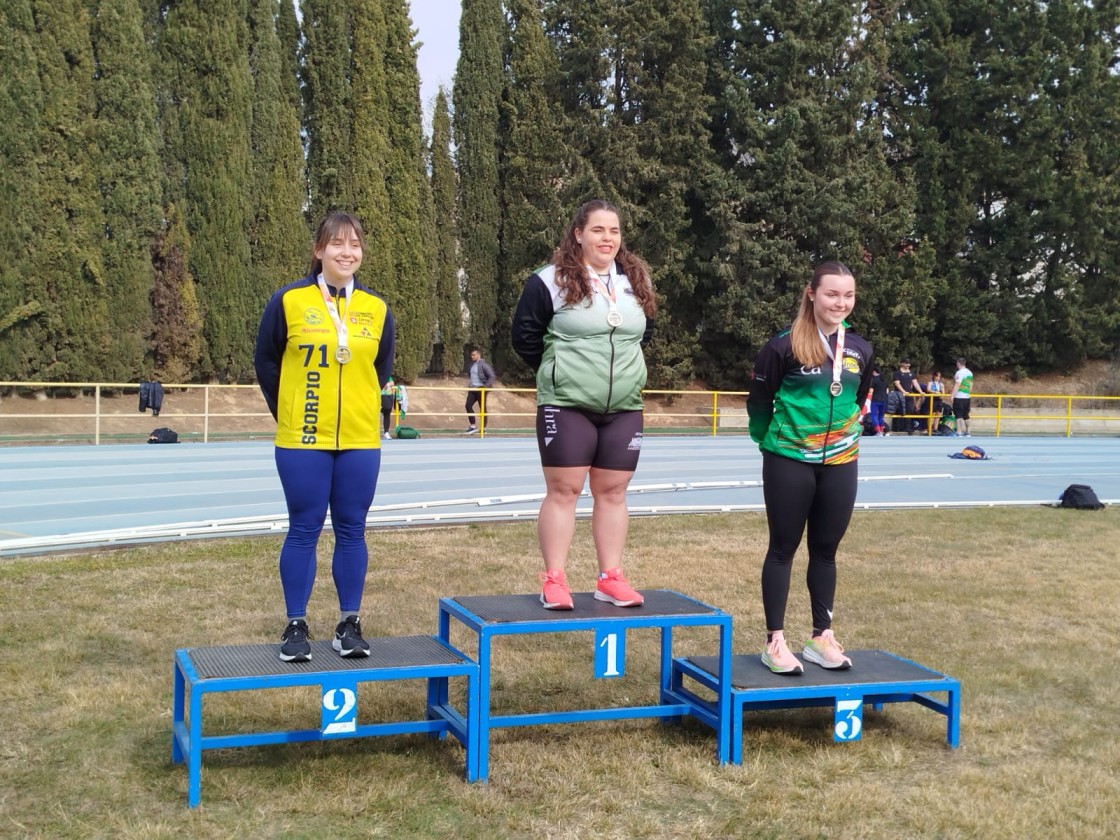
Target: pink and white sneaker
{"points": [[825, 651]]}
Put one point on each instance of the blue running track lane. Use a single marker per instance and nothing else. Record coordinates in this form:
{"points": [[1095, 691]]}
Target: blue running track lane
{"points": [[64, 498]]}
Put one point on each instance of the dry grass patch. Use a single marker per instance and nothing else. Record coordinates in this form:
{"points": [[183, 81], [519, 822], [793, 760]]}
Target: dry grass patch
{"points": [[1018, 604]]}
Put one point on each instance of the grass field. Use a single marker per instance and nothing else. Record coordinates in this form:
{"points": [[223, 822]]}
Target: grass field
{"points": [[1021, 605]]}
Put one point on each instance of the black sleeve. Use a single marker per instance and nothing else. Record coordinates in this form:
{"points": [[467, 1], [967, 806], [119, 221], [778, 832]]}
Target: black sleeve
{"points": [[648, 334], [769, 370], [385, 352], [865, 380], [530, 321], [271, 338]]}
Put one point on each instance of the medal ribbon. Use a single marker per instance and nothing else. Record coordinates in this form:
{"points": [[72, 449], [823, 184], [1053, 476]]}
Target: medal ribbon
{"points": [[837, 357], [332, 308], [609, 295]]}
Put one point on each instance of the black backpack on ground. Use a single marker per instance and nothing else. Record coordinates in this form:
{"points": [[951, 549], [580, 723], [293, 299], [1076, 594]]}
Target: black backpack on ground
{"points": [[163, 436], [1080, 497]]}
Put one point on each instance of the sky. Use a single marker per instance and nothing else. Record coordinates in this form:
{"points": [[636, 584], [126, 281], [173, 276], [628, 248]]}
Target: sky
{"points": [[437, 25]]}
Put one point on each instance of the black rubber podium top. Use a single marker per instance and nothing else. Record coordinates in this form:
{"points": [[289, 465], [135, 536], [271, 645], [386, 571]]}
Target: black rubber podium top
{"points": [[514, 608], [868, 666], [264, 660]]}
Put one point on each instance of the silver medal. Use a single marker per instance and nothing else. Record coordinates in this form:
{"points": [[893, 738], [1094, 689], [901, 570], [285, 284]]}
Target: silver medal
{"points": [[342, 355], [835, 388], [614, 318]]}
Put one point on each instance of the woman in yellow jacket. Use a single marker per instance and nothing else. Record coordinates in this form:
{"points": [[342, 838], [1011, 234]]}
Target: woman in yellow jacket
{"points": [[324, 347]]}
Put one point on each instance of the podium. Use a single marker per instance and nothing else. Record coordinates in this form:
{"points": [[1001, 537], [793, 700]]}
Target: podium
{"points": [[716, 690], [202, 671], [494, 616], [875, 678]]}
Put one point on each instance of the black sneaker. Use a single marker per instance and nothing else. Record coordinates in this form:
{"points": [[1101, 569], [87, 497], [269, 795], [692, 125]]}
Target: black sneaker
{"points": [[348, 639], [296, 648]]}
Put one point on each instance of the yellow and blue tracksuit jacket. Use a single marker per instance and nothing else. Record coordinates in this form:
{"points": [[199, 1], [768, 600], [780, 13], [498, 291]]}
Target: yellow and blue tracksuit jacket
{"points": [[317, 402]]}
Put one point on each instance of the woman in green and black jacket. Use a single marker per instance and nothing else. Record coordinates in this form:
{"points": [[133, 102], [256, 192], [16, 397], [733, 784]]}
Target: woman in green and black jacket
{"points": [[804, 406], [581, 324]]}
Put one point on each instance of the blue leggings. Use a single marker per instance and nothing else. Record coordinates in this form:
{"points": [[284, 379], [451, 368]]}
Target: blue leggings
{"points": [[313, 480]]}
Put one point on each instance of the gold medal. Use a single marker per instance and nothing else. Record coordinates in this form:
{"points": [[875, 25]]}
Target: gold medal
{"points": [[342, 354]]}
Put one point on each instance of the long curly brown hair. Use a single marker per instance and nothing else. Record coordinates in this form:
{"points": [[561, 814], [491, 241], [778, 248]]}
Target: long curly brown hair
{"points": [[571, 268]]}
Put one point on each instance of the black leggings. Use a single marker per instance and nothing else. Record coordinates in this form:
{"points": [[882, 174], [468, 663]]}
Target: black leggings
{"points": [[797, 494]]}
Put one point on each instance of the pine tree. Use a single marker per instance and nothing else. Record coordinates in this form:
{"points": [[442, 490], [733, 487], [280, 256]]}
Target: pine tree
{"points": [[476, 95], [449, 300], [130, 182], [207, 118], [74, 338], [656, 151], [537, 167], [804, 177], [279, 237], [328, 111], [21, 102], [407, 187]]}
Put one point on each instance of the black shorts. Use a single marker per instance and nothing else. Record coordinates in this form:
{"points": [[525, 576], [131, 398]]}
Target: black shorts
{"points": [[572, 437], [961, 408]]}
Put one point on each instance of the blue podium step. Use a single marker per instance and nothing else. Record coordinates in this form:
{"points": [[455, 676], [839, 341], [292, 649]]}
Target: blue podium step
{"points": [[493, 616], [201, 671], [876, 677]]}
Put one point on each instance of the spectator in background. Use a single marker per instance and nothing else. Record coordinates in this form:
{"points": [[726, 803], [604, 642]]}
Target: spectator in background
{"points": [[906, 384], [393, 395], [878, 402], [481, 376], [962, 399]]}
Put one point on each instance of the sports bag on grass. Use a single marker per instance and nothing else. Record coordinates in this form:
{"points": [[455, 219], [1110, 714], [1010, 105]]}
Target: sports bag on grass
{"points": [[1080, 497]]}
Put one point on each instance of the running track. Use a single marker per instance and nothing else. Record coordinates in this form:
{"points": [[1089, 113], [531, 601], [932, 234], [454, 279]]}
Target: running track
{"points": [[68, 497]]}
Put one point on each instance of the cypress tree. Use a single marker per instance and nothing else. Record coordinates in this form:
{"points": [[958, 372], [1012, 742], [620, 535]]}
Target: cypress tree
{"points": [[287, 31], [21, 103], [205, 49], [476, 94], [327, 111], [74, 338], [130, 180], [364, 183], [279, 237], [176, 339], [449, 300], [407, 188]]}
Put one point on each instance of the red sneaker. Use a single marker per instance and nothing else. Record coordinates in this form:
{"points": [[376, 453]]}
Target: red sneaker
{"points": [[615, 589], [555, 595]]}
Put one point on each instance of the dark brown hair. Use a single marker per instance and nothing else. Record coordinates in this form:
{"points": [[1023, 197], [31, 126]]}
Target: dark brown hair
{"points": [[804, 341], [571, 269], [334, 224]]}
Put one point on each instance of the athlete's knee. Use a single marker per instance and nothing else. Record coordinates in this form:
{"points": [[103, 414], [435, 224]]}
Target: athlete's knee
{"points": [[610, 492]]}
